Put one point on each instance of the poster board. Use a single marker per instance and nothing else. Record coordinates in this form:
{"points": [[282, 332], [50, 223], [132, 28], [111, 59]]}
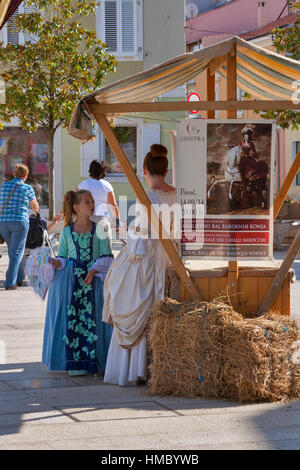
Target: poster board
{"points": [[224, 176]]}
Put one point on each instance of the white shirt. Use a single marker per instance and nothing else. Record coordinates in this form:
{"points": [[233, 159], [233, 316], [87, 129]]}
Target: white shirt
{"points": [[99, 189]]}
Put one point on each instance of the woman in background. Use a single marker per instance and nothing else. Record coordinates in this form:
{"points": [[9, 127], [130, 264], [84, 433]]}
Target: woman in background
{"points": [[103, 194], [15, 199]]}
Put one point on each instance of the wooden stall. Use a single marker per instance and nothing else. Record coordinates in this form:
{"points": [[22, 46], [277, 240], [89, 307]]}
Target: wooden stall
{"points": [[251, 288], [253, 284]]}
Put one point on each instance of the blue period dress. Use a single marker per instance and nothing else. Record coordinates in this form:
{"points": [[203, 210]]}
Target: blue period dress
{"points": [[75, 338]]}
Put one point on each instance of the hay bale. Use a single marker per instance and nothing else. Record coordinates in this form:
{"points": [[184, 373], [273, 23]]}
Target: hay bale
{"points": [[207, 349]]}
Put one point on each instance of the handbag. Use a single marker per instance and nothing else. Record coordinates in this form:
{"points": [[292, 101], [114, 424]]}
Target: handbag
{"points": [[39, 271], [6, 202]]}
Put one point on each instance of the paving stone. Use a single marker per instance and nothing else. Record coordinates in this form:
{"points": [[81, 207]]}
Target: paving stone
{"points": [[40, 383], [42, 410]]}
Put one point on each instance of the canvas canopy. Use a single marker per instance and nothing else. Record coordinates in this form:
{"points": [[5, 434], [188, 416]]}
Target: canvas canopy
{"points": [[260, 72]]}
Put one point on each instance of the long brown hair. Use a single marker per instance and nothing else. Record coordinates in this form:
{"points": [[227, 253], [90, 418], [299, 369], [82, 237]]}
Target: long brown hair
{"points": [[156, 161], [71, 198]]}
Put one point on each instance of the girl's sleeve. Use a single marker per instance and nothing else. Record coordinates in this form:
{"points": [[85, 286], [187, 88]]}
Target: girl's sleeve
{"points": [[103, 234], [105, 246], [63, 245]]}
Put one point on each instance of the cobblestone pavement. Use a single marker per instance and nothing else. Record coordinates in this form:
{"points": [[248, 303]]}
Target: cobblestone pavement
{"points": [[50, 410]]}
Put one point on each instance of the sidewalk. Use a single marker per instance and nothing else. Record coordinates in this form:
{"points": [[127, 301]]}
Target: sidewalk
{"points": [[50, 410]]}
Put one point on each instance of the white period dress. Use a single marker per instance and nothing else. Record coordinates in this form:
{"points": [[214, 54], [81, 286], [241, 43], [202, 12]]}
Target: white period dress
{"points": [[135, 280]]}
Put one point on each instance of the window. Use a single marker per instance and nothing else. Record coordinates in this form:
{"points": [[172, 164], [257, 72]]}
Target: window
{"points": [[119, 25], [20, 146], [135, 138], [197, 46], [11, 33], [127, 136]]}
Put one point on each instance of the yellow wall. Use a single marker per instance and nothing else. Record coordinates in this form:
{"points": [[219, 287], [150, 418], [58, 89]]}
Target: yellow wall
{"points": [[163, 37], [71, 165]]}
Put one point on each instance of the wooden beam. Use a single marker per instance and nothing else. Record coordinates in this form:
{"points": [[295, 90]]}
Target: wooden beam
{"points": [[231, 88], [231, 82], [175, 259], [286, 186], [211, 93], [282, 272], [168, 106]]}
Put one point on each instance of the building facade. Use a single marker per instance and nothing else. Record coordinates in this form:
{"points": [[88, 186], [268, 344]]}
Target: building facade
{"points": [[255, 26], [140, 34]]}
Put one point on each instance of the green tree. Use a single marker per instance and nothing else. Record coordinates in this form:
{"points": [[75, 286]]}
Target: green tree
{"points": [[287, 42], [47, 76]]}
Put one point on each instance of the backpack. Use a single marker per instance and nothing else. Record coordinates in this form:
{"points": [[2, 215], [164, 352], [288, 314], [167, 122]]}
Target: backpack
{"points": [[35, 233]]}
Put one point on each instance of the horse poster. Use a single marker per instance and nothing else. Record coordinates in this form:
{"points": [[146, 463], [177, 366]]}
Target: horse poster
{"points": [[224, 179]]}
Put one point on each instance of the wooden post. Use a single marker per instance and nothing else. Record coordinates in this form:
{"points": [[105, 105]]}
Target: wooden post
{"points": [[286, 186], [282, 272], [170, 106], [211, 93], [233, 273], [175, 259], [231, 81]]}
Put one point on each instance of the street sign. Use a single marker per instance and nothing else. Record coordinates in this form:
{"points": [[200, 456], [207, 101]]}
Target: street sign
{"points": [[194, 97]]}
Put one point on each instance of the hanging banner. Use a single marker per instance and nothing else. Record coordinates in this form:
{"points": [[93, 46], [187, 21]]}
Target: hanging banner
{"points": [[224, 173]]}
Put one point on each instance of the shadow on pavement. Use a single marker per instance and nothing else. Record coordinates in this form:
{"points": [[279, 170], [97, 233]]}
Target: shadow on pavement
{"points": [[280, 427]]}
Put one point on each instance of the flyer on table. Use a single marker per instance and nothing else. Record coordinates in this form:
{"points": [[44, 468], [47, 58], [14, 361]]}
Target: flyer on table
{"points": [[224, 180]]}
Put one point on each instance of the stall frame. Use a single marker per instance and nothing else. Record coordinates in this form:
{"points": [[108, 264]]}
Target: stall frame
{"points": [[102, 112]]}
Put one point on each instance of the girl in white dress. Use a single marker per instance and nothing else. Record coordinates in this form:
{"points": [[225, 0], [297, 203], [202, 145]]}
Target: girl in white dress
{"points": [[135, 280]]}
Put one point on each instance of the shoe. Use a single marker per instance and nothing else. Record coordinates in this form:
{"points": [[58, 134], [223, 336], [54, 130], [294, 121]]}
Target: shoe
{"points": [[141, 382], [19, 284], [10, 287]]}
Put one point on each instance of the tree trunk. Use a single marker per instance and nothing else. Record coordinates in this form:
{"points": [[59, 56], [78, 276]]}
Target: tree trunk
{"points": [[51, 175]]}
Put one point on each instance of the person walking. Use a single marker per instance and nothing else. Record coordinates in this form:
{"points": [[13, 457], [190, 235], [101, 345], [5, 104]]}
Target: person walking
{"points": [[75, 338], [15, 199], [103, 194]]}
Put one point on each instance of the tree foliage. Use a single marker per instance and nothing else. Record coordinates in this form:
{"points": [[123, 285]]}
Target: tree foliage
{"points": [[287, 42], [46, 78], [47, 75]]}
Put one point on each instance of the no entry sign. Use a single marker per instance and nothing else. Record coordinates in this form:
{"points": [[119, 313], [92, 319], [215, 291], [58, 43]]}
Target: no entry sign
{"points": [[194, 97]]}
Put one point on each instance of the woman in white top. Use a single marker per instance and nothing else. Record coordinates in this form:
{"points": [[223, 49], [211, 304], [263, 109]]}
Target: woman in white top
{"points": [[135, 280], [101, 190], [104, 197]]}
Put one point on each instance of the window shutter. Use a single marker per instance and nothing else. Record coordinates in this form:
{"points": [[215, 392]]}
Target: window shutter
{"points": [[12, 30], [128, 27], [89, 152], [27, 36], [111, 34]]}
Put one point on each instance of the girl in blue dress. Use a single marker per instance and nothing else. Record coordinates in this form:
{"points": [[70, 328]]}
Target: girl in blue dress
{"points": [[75, 338]]}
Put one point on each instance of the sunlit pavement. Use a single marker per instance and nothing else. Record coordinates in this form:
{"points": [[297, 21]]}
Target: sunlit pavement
{"points": [[48, 410]]}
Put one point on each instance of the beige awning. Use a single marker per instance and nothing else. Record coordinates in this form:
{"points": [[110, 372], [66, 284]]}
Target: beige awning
{"points": [[263, 74]]}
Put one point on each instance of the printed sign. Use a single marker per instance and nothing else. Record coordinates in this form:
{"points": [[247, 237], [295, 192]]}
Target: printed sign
{"points": [[224, 174]]}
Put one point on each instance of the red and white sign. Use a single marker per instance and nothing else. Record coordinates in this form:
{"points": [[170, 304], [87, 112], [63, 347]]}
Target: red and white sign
{"points": [[194, 97]]}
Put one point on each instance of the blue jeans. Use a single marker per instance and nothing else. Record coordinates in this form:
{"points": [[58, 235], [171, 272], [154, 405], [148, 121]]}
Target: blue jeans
{"points": [[14, 234]]}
